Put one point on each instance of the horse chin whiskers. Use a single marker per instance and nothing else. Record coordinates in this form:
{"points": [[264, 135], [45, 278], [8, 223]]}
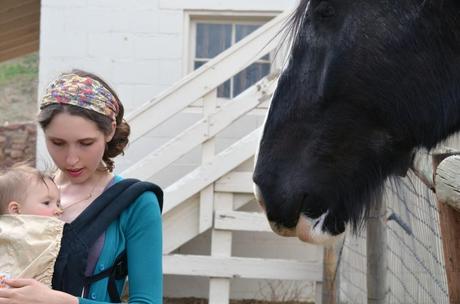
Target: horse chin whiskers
{"points": [[311, 231]]}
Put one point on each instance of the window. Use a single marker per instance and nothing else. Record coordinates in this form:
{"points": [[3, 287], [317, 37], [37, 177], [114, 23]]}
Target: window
{"points": [[214, 37]]}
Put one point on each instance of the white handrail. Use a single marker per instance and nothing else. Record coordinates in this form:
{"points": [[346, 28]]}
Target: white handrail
{"points": [[208, 77], [201, 131]]}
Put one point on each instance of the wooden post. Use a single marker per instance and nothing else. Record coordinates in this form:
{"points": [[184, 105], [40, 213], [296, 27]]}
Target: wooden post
{"points": [[447, 181], [376, 242], [221, 246], [207, 153], [329, 286], [439, 171]]}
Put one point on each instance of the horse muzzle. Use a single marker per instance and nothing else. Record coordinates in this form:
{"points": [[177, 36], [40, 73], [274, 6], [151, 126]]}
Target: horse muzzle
{"points": [[307, 230]]}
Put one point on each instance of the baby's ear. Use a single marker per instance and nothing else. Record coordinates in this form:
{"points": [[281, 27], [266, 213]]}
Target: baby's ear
{"points": [[14, 207]]}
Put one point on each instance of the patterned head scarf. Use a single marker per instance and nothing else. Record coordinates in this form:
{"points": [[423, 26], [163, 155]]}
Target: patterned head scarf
{"points": [[83, 92]]}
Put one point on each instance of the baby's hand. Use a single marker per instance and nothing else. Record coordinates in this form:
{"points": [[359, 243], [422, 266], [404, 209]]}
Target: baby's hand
{"points": [[3, 277]]}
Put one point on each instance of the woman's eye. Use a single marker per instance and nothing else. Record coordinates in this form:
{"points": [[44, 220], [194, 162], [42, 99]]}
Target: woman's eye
{"points": [[87, 143], [46, 203], [57, 143]]}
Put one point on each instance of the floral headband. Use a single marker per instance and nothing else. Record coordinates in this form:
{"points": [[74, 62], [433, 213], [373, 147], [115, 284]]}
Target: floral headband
{"points": [[83, 92]]}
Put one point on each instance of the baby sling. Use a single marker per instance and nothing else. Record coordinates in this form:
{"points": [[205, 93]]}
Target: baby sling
{"points": [[79, 236]]}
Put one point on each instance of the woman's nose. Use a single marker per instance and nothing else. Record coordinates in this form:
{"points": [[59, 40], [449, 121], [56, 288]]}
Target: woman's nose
{"points": [[72, 158]]}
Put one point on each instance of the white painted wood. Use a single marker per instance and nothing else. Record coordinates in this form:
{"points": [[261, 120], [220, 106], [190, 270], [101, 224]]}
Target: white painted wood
{"points": [[235, 182], [240, 200], [232, 6], [207, 154], [249, 268], [180, 225], [319, 292], [219, 291], [203, 176], [241, 221], [221, 246], [202, 130], [206, 78], [206, 204], [447, 181], [221, 241]]}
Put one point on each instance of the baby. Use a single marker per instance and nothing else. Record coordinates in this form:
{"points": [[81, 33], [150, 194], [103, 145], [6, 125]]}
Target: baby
{"points": [[30, 231], [26, 190]]}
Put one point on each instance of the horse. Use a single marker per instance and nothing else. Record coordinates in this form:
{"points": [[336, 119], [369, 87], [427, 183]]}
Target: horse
{"points": [[366, 83]]}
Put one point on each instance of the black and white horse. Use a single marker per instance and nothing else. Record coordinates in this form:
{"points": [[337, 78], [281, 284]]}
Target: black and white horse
{"points": [[367, 83]]}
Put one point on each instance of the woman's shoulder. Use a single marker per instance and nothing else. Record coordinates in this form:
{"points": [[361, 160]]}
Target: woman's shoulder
{"points": [[145, 206]]}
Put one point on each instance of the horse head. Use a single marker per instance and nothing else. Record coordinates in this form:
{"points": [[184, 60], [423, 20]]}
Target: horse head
{"points": [[367, 82]]}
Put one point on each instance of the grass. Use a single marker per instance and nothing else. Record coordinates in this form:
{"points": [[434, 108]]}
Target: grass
{"points": [[26, 66], [18, 89]]}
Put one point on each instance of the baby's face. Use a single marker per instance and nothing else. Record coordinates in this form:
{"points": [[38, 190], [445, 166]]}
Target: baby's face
{"points": [[43, 199]]}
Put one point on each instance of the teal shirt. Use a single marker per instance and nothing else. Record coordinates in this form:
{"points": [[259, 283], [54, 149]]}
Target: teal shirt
{"points": [[139, 230]]}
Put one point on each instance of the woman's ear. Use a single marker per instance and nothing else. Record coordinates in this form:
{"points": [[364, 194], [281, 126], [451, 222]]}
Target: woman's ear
{"points": [[109, 137], [14, 208]]}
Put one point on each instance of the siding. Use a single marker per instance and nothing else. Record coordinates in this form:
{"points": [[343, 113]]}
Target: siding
{"points": [[19, 28]]}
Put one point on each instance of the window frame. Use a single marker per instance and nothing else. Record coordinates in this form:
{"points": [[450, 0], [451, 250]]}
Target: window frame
{"points": [[219, 17]]}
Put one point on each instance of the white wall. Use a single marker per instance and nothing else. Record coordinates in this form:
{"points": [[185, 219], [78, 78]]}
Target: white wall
{"points": [[138, 47]]}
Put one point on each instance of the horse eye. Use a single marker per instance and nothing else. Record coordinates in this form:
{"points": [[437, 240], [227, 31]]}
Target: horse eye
{"points": [[325, 10]]}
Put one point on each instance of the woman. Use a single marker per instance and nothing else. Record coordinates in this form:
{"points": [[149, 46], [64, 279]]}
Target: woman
{"points": [[82, 119]]}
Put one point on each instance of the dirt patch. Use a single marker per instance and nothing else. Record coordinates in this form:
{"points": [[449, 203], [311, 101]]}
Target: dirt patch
{"points": [[205, 301]]}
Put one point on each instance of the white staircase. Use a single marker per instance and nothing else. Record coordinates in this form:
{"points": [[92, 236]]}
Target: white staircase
{"points": [[209, 197]]}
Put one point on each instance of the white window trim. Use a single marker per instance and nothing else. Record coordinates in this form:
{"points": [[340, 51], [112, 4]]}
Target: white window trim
{"points": [[191, 16]]}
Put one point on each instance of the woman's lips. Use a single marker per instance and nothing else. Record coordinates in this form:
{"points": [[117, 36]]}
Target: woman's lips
{"points": [[75, 172]]}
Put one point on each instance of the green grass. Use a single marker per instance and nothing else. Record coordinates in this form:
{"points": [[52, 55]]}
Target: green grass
{"points": [[26, 66], [18, 89]]}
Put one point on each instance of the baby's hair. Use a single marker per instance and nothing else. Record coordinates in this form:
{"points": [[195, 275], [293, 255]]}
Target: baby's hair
{"points": [[14, 182]]}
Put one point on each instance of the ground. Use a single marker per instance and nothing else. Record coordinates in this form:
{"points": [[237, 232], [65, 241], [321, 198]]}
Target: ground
{"points": [[203, 301], [18, 89]]}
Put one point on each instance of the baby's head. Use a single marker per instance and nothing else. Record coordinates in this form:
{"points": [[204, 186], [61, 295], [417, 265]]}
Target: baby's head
{"points": [[26, 190]]}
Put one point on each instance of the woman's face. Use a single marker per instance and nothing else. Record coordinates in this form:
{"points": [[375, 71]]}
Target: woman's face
{"points": [[76, 146]]}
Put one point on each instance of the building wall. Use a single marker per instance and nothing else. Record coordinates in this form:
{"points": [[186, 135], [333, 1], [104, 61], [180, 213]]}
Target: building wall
{"points": [[140, 48]]}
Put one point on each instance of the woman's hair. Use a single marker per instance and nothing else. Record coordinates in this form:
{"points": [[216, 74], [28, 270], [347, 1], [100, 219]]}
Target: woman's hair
{"points": [[14, 182], [119, 141]]}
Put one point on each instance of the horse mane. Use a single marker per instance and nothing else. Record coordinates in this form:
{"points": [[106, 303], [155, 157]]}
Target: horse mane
{"points": [[294, 23], [297, 17]]}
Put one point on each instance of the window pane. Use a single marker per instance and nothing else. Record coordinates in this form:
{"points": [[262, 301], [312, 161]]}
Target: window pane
{"points": [[198, 64], [242, 30], [249, 76], [212, 39], [223, 90]]}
